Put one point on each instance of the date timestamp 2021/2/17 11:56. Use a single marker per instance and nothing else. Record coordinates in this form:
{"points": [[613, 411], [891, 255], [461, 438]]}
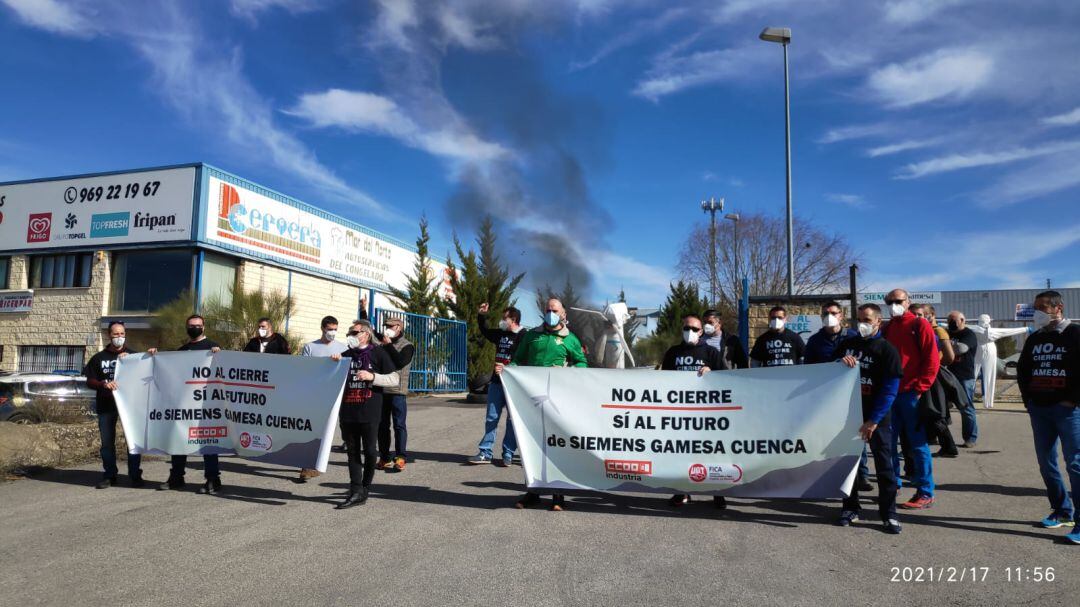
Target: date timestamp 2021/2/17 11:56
{"points": [[971, 574]]}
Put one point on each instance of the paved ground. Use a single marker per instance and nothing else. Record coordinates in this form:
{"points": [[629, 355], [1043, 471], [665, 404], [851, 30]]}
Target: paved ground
{"points": [[443, 533]]}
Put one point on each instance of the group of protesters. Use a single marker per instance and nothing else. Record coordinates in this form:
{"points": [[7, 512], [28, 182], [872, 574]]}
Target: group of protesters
{"points": [[912, 373]]}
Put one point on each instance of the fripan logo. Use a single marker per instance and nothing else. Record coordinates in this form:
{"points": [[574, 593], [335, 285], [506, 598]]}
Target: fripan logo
{"points": [[109, 225], [39, 227], [146, 220]]}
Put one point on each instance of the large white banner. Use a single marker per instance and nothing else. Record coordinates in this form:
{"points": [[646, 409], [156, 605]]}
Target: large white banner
{"points": [[243, 218], [771, 432], [265, 407], [128, 208]]}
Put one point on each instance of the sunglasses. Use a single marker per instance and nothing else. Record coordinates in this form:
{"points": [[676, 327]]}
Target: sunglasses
{"points": [[894, 301], [352, 333], [694, 329]]}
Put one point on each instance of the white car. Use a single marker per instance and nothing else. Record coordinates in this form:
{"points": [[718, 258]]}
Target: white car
{"points": [[22, 395]]}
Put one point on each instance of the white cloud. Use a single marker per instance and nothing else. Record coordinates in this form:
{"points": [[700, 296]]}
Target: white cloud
{"points": [[672, 73], [854, 201], [1054, 174], [903, 146], [366, 112], [908, 12], [858, 131], [53, 16], [1066, 119], [943, 74], [969, 160]]}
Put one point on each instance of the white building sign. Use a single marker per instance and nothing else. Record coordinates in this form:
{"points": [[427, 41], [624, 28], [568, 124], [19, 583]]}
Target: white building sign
{"points": [[14, 302]]}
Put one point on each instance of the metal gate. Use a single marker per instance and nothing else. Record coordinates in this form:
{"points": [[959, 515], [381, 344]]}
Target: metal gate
{"points": [[440, 363], [51, 359]]}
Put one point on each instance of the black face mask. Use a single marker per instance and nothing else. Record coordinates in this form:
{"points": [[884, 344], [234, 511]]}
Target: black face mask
{"points": [[953, 326], [194, 332]]}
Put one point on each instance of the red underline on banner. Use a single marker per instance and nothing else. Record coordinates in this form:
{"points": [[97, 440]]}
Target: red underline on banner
{"points": [[658, 408], [227, 383]]}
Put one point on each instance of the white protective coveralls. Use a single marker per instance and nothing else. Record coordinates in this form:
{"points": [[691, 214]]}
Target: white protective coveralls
{"points": [[986, 357], [610, 340]]}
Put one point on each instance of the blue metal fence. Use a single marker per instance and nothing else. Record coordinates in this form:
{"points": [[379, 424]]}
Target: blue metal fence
{"points": [[440, 363]]}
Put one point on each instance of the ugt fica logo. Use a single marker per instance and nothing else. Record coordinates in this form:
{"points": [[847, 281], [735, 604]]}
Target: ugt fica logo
{"points": [[39, 227]]}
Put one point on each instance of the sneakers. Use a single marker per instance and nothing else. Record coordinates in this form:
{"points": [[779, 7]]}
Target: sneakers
{"points": [[968, 444], [477, 459], [384, 464], [920, 501], [1074, 535], [677, 501], [105, 483], [863, 484], [944, 453], [528, 501], [210, 487], [558, 502], [173, 484], [307, 473], [399, 463], [847, 517], [502, 463], [1056, 520], [892, 526]]}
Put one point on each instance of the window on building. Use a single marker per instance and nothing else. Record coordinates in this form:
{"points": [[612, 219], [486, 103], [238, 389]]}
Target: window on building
{"points": [[143, 281], [50, 359], [5, 269], [60, 271], [218, 278]]}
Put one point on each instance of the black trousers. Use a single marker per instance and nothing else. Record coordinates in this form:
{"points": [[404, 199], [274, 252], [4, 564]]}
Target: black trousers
{"points": [[361, 440], [881, 447]]}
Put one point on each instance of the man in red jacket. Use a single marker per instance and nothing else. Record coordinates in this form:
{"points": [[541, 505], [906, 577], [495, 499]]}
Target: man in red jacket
{"points": [[914, 338]]}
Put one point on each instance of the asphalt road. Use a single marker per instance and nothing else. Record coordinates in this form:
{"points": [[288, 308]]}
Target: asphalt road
{"points": [[444, 533]]}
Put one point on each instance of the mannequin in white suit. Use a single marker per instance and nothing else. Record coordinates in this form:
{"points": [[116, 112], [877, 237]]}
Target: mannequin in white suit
{"points": [[986, 358]]}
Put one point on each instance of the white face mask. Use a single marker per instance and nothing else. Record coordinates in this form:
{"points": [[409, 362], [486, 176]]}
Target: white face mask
{"points": [[118, 342], [552, 319], [503, 325], [866, 330], [690, 337], [264, 333], [896, 309], [352, 341], [1041, 319], [390, 333], [329, 335], [776, 323], [830, 321], [709, 329]]}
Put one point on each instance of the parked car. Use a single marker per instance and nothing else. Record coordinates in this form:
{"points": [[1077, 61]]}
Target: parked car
{"points": [[32, 397]]}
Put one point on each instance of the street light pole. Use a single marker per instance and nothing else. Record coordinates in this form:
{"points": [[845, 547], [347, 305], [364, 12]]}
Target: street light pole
{"points": [[734, 217], [782, 35], [711, 206]]}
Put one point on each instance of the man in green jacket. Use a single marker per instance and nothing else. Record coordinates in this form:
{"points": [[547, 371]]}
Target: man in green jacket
{"points": [[549, 345]]}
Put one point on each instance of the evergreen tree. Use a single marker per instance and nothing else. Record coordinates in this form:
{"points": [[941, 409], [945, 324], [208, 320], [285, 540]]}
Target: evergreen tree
{"points": [[684, 298], [421, 292]]}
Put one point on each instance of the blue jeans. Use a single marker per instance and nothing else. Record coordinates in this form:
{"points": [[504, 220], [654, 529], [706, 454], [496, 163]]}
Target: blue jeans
{"points": [[1049, 426], [394, 407], [106, 423], [905, 418], [968, 424], [211, 467], [496, 400]]}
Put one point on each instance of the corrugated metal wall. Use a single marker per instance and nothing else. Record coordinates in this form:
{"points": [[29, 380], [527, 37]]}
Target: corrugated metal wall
{"points": [[1000, 304]]}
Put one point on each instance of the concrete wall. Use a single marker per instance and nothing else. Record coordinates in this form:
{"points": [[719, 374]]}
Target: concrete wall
{"points": [[60, 317]]}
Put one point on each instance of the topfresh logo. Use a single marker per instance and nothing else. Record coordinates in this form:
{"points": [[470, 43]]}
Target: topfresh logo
{"points": [[106, 225], [39, 227], [258, 228]]}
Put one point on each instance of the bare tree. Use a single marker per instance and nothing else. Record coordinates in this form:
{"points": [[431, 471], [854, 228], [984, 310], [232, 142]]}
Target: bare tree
{"points": [[821, 259]]}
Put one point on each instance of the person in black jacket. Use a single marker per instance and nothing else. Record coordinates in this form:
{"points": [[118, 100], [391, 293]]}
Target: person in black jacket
{"points": [[370, 371], [99, 373], [1048, 374], [732, 353], [692, 354], [267, 341], [506, 339], [197, 340], [778, 346]]}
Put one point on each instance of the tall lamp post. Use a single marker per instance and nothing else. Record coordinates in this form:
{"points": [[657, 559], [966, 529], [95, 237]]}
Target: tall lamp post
{"points": [[734, 217], [711, 206], [782, 36]]}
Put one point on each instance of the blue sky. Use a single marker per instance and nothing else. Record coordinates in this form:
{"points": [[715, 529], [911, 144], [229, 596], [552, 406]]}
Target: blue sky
{"points": [[941, 136]]}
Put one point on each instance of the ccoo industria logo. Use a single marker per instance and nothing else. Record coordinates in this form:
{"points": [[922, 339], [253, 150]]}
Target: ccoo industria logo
{"points": [[247, 223]]}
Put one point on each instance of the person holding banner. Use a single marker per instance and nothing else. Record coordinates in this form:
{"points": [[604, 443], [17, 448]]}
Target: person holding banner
{"points": [[821, 345], [197, 340], [695, 355], [370, 371], [549, 345], [99, 373], [506, 339], [327, 346], [732, 353], [778, 346], [879, 368]]}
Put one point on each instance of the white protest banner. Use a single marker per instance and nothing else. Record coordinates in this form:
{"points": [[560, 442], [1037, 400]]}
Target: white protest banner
{"points": [[770, 432], [265, 407]]}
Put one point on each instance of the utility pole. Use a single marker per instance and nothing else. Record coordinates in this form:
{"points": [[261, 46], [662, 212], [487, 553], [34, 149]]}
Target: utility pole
{"points": [[711, 206]]}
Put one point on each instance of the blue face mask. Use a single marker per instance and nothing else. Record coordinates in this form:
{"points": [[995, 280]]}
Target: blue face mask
{"points": [[552, 319]]}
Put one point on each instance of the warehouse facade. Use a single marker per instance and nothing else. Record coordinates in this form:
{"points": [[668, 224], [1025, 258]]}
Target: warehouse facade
{"points": [[79, 252]]}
